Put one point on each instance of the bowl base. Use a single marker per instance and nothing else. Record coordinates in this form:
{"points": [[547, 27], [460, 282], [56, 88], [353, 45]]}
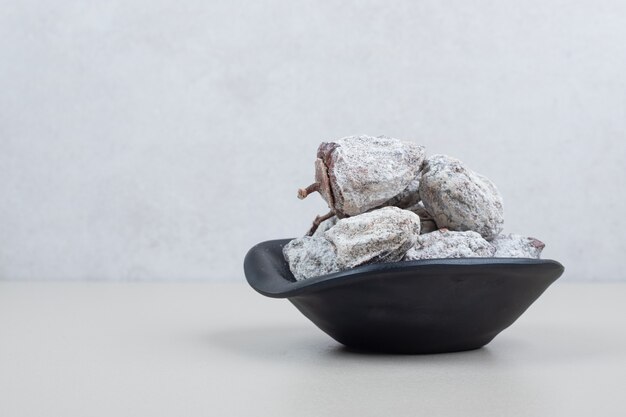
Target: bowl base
{"points": [[366, 351], [413, 350]]}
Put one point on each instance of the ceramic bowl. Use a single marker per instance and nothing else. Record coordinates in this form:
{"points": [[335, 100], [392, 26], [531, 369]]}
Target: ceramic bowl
{"points": [[425, 306]]}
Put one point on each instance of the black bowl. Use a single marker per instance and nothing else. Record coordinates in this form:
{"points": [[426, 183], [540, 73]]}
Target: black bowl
{"points": [[425, 306]]}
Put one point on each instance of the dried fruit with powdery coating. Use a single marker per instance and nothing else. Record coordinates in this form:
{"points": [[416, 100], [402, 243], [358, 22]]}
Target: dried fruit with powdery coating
{"points": [[310, 256], [382, 235], [460, 199], [358, 173], [517, 246], [447, 244], [427, 224], [410, 196]]}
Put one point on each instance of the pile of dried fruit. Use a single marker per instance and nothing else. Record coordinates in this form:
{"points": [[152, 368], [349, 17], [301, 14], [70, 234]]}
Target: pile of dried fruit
{"points": [[389, 202]]}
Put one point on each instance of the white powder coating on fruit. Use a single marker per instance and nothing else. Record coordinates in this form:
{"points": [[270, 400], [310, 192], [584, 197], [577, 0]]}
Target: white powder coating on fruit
{"points": [[310, 256], [410, 196], [382, 235], [325, 225], [367, 171], [448, 244], [460, 199], [517, 246]]}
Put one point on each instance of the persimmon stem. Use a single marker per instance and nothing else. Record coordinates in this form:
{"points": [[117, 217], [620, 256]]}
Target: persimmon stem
{"points": [[318, 220], [304, 192]]}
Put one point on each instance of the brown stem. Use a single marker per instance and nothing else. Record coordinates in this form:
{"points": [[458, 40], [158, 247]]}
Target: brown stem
{"points": [[318, 220], [303, 192]]}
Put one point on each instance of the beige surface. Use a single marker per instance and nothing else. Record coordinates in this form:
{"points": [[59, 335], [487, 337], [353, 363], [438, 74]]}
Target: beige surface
{"points": [[80, 349]]}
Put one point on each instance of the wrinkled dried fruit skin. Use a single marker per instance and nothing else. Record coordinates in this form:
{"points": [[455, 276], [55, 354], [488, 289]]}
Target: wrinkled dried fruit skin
{"points": [[382, 235], [364, 171], [460, 199], [325, 225], [517, 246], [310, 256], [427, 224], [448, 244], [410, 196], [420, 210]]}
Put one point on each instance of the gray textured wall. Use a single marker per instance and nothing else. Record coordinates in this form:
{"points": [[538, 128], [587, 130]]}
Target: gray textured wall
{"points": [[161, 139]]}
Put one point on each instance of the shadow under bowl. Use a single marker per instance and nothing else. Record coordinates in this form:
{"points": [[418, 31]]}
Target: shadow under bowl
{"points": [[425, 306]]}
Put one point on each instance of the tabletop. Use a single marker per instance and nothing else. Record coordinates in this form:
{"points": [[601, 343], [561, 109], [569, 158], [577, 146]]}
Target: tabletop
{"points": [[187, 349]]}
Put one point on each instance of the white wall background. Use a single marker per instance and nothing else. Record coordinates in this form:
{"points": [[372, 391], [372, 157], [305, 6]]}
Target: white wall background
{"points": [[161, 139]]}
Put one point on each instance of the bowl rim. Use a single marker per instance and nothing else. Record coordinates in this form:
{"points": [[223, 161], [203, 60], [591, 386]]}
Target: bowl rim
{"points": [[267, 281]]}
